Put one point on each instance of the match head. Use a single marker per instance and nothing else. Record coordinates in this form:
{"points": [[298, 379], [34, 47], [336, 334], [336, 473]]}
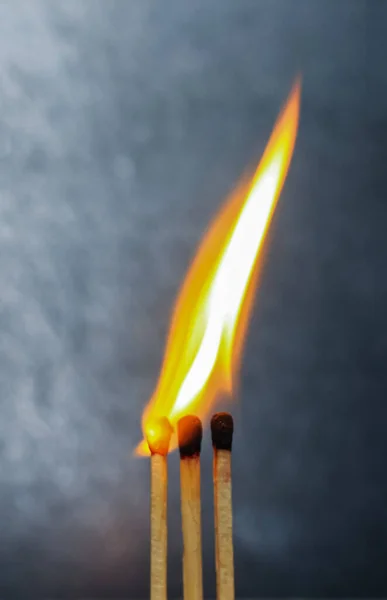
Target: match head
{"points": [[158, 435], [189, 433], [222, 429]]}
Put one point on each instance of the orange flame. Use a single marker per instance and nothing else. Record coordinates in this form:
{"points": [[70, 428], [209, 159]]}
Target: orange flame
{"points": [[212, 310]]}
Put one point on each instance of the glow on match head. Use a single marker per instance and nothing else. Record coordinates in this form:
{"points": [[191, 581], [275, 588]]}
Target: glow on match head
{"points": [[158, 435]]}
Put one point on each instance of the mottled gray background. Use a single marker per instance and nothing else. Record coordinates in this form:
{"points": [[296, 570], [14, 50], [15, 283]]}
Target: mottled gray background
{"points": [[123, 125]]}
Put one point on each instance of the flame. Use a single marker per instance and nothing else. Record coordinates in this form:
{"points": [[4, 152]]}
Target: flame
{"points": [[211, 314]]}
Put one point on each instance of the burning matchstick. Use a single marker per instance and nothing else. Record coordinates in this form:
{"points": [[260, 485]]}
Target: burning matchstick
{"points": [[201, 360], [158, 435]]}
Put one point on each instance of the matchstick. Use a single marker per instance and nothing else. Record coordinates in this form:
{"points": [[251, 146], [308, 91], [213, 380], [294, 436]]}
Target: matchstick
{"points": [[158, 435], [190, 432], [222, 428]]}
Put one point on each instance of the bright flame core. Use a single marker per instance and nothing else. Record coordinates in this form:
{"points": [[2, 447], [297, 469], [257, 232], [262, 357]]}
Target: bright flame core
{"points": [[212, 311]]}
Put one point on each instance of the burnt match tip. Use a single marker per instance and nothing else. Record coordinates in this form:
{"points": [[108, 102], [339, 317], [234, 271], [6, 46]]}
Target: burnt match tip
{"points": [[222, 429], [158, 435], [189, 433]]}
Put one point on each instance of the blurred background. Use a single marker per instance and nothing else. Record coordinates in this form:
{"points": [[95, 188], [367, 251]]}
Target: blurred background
{"points": [[123, 127]]}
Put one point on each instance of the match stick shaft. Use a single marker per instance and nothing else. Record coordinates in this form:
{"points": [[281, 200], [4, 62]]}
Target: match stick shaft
{"points": [[224, 552], [191, 525], [158, 567]]}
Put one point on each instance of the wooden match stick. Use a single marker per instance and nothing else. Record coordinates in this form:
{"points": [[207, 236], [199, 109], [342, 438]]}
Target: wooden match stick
{"points": [[222, 428], [158, 435], [190, 433]]}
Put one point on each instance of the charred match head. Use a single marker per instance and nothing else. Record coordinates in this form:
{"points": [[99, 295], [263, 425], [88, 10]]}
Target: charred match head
{"points": [[158, 435], [222, 429], [190, 433]]}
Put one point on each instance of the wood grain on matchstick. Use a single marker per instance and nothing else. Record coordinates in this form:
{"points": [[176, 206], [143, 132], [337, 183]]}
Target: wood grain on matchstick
{"points": [[158, 527]]}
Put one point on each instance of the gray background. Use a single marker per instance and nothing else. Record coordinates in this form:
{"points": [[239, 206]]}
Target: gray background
{"points": [[123, 125]]}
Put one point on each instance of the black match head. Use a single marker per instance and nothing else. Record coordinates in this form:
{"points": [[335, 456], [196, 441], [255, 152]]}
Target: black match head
{"points": [[222, 428], [189, 433]]}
